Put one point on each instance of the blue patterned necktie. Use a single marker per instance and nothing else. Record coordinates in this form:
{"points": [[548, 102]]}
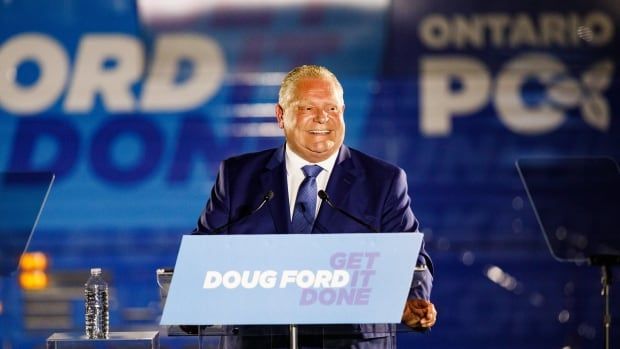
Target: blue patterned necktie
{"points": [[305, 204]]}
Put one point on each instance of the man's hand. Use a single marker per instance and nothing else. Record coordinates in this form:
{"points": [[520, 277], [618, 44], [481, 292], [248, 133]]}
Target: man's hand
{"points": [[419, 313]]}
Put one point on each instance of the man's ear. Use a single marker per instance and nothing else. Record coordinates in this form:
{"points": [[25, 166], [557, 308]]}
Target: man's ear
{"points": [[280, 115]]}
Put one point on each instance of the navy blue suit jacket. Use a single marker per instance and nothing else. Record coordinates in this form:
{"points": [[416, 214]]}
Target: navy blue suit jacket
{"points": [[368, 188]]}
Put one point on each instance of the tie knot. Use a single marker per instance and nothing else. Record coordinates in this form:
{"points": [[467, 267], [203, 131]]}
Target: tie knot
{"points": [[312, 170]]}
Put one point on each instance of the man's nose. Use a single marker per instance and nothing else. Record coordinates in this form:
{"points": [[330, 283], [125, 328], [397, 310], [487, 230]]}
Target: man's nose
{"points": [[321, 117]]}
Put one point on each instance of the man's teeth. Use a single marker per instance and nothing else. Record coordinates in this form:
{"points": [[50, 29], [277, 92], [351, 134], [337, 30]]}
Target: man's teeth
{"points": [[320, 132]]}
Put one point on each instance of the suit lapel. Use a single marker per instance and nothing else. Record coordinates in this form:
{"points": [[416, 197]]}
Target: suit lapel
{"points": [[341, 181], [274, 178]]}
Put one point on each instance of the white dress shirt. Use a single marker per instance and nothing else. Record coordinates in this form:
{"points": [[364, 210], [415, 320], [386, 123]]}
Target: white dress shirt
{"points": [[294, 176]]}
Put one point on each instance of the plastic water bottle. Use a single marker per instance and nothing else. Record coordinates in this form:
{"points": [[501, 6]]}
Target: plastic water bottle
{"points": [[96, 306]]}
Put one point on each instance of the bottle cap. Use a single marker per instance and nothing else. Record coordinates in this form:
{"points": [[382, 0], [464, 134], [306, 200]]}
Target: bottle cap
{"points": [[95, 271]]}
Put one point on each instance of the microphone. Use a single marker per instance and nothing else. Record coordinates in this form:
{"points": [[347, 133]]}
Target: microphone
{"points": [[266, 198], [324, 197]]}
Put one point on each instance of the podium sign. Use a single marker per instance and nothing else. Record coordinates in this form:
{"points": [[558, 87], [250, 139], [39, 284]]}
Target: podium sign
{"points": [[291, 278]]}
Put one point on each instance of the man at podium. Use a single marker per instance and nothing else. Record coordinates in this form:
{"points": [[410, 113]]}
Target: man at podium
{"points": [[314, 184]]}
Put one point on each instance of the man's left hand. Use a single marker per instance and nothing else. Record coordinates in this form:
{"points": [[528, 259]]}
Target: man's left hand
{"points": [[419, 314]]}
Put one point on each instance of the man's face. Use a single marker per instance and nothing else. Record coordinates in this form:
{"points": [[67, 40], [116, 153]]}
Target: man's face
{"points": [[313, 121]]}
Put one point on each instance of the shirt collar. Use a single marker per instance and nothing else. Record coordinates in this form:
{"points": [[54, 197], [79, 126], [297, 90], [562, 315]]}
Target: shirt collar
{"points": [[297, 162]]}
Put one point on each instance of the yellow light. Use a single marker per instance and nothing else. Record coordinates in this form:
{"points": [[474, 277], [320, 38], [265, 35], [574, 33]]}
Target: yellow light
{"points": [[33, 261], [33, 280]]}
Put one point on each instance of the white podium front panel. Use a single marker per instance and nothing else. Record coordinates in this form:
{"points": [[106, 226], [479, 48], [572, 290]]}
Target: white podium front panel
{"points": [[291, 278]]}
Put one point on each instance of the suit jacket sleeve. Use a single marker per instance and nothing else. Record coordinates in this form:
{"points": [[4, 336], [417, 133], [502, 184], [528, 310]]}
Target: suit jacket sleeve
{"points": [[398, 216], [216, 211]]}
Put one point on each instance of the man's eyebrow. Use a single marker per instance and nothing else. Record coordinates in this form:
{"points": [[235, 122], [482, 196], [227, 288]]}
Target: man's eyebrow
{"points": [[301, 102]]}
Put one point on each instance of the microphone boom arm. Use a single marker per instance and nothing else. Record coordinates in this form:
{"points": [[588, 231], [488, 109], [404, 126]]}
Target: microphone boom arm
{"points": [[324, 197], [268, 196]]}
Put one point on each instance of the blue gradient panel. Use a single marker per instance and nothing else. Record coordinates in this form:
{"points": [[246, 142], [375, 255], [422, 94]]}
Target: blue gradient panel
{"points": [[309, 279]]}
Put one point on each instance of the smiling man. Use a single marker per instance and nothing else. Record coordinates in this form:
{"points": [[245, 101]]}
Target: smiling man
{"points": [[310, 110]]}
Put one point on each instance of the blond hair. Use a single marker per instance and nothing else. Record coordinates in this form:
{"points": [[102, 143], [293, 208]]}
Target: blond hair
{"points": [[305, 71]]}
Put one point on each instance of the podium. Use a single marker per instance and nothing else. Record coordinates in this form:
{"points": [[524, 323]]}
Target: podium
{"points": [[324, 288]]}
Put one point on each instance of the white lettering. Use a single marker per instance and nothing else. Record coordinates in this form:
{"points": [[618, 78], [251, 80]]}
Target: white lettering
{"points": [[440, 102], [288, 276], [108, 65], [602, 28], [468, 32], [340, 279], [213, 279], [512, 111], [499, 30], [435, 31], [553, 30], [322, 278], [268, 279], [305, 279], [162, 93], [245, 279], [231, 279], [53, 66], [497, 24], [523, 32]]}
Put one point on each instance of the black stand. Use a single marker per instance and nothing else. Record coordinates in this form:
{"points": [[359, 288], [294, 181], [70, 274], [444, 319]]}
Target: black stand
{"points": [[605, 262], [606, 280]]}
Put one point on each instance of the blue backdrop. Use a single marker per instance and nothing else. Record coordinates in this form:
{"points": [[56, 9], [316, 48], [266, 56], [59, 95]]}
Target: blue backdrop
{"points": [[134, 104]]}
